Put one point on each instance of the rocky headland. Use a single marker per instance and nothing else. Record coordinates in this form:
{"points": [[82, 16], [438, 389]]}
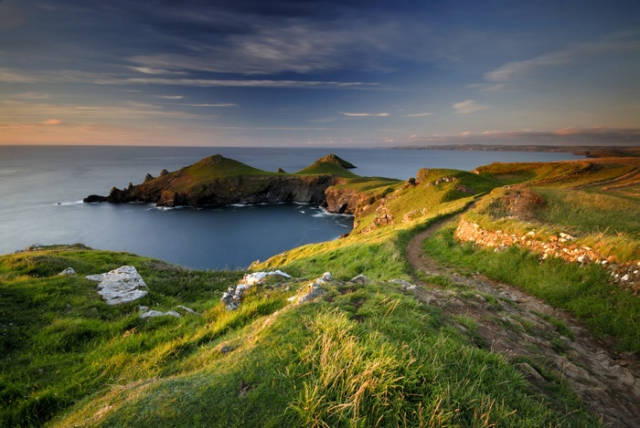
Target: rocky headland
{"points": [[217, 181]]}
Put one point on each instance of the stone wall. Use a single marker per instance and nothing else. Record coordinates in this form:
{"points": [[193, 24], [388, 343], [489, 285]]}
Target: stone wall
{"points": [[562, 246]]}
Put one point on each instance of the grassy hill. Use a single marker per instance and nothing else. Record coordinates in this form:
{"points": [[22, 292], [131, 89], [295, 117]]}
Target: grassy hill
{"points": [[363, 354]]}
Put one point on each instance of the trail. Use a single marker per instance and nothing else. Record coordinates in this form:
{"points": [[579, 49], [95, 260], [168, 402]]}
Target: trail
{"points": [[517, 325]]}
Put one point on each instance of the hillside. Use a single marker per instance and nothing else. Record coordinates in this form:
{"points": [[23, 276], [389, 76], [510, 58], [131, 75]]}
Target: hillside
{"points": [[425, 319]]}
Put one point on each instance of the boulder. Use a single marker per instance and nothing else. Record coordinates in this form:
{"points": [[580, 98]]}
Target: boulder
{"points": [[360, 279], [120, 285], [164, 172], [406, 286], [233, 296], [68, 271], [310, 291]]}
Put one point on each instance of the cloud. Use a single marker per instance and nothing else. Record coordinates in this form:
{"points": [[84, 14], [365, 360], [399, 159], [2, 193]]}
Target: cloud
{"points": [[52, 122], [29, 96], [563, 136], [365, 114], [170, 97], [211, 105], [9, 76], [155, 71], [468, 106], [517, 69], [486, 87], [425, 114]]}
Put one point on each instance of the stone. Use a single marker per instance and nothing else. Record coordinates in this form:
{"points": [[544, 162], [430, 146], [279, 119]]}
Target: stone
{"points": [[186, 309], [360, 279], [153, 314], [327, 276], [406, 286], [68, 271], [120, 285], [233, 296]]}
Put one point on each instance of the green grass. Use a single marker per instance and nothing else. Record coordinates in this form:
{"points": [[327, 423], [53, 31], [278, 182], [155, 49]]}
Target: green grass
{"points": [[369, 356], [583, 291]]}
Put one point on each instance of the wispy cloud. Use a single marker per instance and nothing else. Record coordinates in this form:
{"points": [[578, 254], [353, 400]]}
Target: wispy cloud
{"points": [[156, 71], [517, 69], [383, 114], [468, 106], [211, 105], [171, 97], [52, 122], [563, 136], [425, 114]]}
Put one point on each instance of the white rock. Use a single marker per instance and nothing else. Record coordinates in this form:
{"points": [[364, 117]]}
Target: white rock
{"points": [[259, 277], [406, 286], [625, 277], [68, 271], [327, 276], [120, 285], [153, 313]]}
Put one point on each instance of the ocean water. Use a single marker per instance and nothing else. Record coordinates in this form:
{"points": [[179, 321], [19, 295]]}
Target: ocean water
{"points": [[41, 189]]}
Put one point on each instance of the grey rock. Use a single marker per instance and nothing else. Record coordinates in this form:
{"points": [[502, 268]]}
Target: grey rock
{"points": [[360, 279], [68, 271]]}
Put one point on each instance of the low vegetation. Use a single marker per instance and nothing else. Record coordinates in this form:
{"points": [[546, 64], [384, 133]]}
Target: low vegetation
{"points": [[361, 355]]}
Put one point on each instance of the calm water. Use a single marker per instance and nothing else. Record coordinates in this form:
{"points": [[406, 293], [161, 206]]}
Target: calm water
{"points": [[41, 189]]}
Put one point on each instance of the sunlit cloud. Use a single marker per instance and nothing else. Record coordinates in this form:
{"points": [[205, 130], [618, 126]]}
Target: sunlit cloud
{"points": [[365, 114], [52, 122], [171, 97], [468, 106], [211, 105]]}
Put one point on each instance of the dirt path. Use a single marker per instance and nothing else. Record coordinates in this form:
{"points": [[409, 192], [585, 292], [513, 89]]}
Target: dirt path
{"points": [[524, 328]]}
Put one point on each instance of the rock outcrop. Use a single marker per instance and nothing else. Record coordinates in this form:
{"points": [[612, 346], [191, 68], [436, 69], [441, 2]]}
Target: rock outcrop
{"points": [[233, 296], [560, 246], [120, 285]]}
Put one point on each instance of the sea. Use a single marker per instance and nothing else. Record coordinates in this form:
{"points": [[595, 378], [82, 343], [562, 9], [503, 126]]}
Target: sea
{"points": [[41, 191]]}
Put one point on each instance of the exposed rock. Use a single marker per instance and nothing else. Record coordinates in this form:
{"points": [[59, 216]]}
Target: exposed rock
{"points": [[561, 246], [148, 177], [281, 171], [120, 285], [311, 290], [233, 296], [163, 172], [153, 314], [68, 271], [406, 286], [186, 309], [360, 279]]}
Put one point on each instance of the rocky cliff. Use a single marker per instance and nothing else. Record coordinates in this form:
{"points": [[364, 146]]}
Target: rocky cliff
{"points": [[217, 181]]}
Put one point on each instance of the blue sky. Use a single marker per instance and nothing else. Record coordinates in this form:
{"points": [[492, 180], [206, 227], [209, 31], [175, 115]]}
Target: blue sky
{"points": [[295, 73]]}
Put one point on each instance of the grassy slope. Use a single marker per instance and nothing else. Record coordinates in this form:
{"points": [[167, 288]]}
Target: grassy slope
{"points": [[364, 355]]}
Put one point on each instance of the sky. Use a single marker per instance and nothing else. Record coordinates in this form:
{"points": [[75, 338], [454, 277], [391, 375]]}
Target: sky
{"points": [[319, 73]]}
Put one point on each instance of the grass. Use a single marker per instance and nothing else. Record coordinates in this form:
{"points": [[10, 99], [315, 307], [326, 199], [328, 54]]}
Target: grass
{"points": [[370, 356], [363, 355], [583, 291]]}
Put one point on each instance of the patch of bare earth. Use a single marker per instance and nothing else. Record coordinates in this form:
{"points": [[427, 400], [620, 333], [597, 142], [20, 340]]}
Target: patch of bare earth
{"points": [[524, 330]]}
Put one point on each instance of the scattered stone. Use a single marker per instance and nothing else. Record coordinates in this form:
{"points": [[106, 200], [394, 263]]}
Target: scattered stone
{"points": [[312, 290], [120, 285], [360, 279], [406, 286], [186, 309], [233, 296], [153, 314], [68, 271], [327, 276]]}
